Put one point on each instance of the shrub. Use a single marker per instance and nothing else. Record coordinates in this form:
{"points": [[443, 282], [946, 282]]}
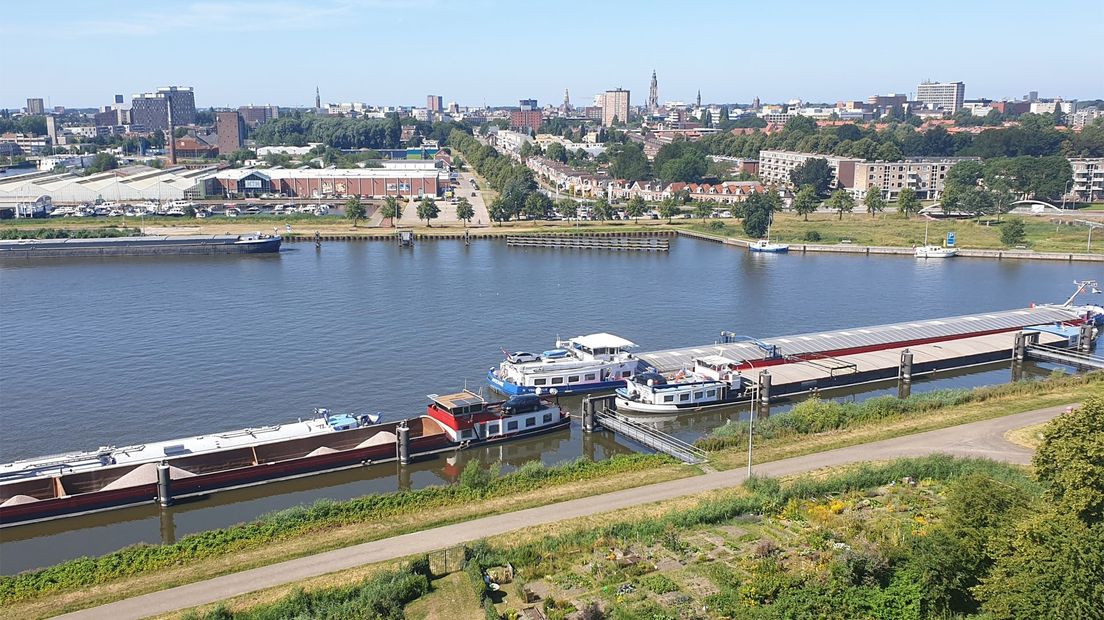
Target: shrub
{"points": [[811, 235]]}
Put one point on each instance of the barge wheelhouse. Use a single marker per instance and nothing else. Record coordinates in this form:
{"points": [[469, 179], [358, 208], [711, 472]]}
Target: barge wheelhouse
{"points": [[713, 382], [468, 418]]}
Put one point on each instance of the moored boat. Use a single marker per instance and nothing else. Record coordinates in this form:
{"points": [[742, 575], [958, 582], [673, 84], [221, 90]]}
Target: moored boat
{"points": [[765, 245], [468, 418], [592, 363], [934, 251], [713, 382]]}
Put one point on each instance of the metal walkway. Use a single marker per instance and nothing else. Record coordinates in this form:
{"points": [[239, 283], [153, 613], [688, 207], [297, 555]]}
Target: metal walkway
{"points": [[1064, 356], [652, 437]]}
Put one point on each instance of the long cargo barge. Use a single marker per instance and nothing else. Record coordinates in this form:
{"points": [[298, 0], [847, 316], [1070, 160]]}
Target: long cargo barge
{"points": [[52, 487], [152, 245]]}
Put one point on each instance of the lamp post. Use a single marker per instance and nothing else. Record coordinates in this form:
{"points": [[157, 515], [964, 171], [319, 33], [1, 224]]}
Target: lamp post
{"points": [[751, 425]]}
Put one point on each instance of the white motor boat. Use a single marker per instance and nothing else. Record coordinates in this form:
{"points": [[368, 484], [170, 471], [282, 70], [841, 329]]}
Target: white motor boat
{"points": [[714, 382], [934, 251]]}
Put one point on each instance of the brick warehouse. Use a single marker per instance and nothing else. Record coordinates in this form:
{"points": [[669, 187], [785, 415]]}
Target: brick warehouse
{"points": [[314, 183]]}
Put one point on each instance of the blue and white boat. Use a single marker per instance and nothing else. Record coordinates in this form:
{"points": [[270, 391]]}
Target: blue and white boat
{"points": [[593, 363], [765, 245]]}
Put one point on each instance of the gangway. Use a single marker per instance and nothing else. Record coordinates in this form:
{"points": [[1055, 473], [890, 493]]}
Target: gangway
{"points": [[1046, 353], [652, 437], [598, 412]]}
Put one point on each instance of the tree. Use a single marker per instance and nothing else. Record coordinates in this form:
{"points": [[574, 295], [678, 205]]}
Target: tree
{"points": [[537, 206], [888, 151], [1070, 460], [706, 119], [805, 202], [977, 201], [464, 210], [873, 201], [758, 210], [704, 208], [841, 202], [815, 172], [498, 210], [1012, 232], [907, 202], [428, 210], [103, 162], [635, 208], [557, 152], [627, 161], [669, 209], [568, 208], [603, 210], [354, 209], [392, 209]]}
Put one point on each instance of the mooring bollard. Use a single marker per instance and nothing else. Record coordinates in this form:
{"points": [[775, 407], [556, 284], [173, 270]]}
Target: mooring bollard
{"points": [[164, 485], [403, 439], [764, 392], [906, 366], [1085, 342], [1019, 351]]}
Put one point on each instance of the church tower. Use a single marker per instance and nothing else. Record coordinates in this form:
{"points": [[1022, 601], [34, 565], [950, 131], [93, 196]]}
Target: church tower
{"points": [[653, 95]]}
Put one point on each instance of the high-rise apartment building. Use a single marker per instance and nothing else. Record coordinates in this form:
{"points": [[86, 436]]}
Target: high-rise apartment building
{"points": [[231, 131], [151, 110], [36, 106], [615, 106], [435, 103], [527, 104], [945, 95]]}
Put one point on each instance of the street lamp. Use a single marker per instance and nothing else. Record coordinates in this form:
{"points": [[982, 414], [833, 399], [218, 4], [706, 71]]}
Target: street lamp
{"points": [[751, 425]]}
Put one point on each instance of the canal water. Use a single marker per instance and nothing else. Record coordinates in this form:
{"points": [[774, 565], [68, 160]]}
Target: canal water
{"points": [[121, 351]]}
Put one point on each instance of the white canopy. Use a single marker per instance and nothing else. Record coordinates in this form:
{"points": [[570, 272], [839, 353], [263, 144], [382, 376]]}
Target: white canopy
{"points": [[602, 341]]}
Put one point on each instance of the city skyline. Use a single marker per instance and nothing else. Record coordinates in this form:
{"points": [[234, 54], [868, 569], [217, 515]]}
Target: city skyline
{"points": [[302, 45]]}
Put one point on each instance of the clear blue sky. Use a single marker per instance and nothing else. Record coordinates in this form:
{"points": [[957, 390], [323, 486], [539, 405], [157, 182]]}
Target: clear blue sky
{"points": [[234, 52]]}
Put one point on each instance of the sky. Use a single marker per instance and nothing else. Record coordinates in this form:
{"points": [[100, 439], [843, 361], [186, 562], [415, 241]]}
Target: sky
{"points": [[476, 52]]}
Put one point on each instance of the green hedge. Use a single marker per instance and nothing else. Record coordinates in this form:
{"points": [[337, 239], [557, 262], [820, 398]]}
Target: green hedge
{"points": [[64, 233]]}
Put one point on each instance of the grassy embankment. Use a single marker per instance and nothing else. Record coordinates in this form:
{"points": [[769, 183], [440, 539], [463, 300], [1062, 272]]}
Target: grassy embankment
{"points": [[893, 231], [308, 530], [860, 229], [704, 551]]}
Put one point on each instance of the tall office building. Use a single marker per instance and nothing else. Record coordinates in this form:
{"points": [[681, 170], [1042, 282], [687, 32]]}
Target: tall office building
{"points": [[653, 95], [35, 106], [945, 95], [615, 105], [151, 110], [435, 103], [527, 104], [231, 131]]}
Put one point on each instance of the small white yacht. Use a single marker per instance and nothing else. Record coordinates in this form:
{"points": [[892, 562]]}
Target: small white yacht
{"points": [[933, 251], [714, 382], [592, 363]]}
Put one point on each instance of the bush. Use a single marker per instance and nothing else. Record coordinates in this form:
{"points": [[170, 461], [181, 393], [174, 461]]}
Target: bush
{"points": [[811, 235], [1012, 232]]}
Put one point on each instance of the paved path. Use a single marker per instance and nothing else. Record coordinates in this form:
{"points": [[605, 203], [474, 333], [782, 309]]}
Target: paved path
{"points": [[979, 439]]}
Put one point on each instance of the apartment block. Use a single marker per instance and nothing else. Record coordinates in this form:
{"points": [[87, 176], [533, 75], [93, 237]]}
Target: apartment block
{"points": [[924, 175], [615, 105], [1088, 178], [775, 166], [254, 115], [151, 110], [35, 105]]}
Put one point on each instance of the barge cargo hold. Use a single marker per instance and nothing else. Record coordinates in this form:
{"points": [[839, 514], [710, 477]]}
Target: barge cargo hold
{"points": [[153, 245], [66, 485]]}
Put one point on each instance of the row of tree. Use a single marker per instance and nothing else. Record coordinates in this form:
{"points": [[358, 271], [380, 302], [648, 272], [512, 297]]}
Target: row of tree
{"points": [[299, 129], [514, 182], [1036, 137]]}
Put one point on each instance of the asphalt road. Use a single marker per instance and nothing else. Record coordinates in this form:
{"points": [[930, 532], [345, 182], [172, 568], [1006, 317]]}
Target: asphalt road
{"points": [[979, 439]]}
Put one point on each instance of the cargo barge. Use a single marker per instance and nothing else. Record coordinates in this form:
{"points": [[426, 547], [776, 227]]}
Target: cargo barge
{"points": [[153, 245], [111, 477]]}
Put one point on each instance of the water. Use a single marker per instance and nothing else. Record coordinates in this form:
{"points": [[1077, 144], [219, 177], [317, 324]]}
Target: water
{"points": [[118, 351]]}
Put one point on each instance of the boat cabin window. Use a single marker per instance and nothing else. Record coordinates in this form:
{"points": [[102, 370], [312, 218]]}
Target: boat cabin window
{"points": [[512, 425], [557, 380], [711, 393], [668, 398], [530, 422], [540, 381], [697, 395], [591, 377], [547, 418], [684, 396], [492, 429], [626, 373], [573, 379], [467, 433]]}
